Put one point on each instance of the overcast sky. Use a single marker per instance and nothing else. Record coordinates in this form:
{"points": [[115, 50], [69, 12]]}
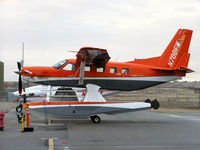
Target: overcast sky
{"points": [[129, 29]]}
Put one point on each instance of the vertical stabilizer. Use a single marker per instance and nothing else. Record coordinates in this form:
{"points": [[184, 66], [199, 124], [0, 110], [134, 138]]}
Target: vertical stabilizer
{"points": [[176, 54]]}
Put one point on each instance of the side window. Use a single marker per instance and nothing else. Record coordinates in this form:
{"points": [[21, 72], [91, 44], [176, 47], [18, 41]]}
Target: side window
{"points": [[101, 69], [125, 70], [87, 68], [70, 67], [113, 70]]}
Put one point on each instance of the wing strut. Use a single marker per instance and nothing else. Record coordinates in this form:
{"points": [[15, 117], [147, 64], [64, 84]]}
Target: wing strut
{"points": [[49, 88], [93, 94], [82, 71]]}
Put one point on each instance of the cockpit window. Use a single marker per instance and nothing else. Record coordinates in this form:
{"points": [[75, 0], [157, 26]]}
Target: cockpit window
{"points": [[59, 64], [70, 67]]}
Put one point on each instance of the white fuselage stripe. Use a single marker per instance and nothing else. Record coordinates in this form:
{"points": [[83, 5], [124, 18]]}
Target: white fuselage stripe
{"points": [[150, 78]]}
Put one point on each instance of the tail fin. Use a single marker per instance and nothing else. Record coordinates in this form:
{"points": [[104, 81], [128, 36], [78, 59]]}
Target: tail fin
{"points": [[176, 54]]}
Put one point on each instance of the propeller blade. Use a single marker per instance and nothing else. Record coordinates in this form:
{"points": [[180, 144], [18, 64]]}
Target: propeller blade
{"points": [[20, 85], [19, 66], [17, 72]]}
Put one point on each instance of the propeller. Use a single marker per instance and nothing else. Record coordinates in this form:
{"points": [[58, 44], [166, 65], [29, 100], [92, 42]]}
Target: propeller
{"points": [[20, 78], [19, 108]]}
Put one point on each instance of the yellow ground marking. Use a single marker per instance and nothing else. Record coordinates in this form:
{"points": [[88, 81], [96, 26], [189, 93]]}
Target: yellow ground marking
{"points": [[51, 144], [49, 122]]}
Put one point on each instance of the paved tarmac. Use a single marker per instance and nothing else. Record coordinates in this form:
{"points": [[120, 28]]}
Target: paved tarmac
{"points": [[129, 131], [7, 106]]}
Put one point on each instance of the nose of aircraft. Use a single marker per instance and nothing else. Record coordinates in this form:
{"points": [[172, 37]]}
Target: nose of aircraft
{"points": [[36, 71]]}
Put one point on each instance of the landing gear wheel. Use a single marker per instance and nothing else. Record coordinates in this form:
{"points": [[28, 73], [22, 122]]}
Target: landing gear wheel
{"points": [[155, 104], [95, 119], [147, 101]]}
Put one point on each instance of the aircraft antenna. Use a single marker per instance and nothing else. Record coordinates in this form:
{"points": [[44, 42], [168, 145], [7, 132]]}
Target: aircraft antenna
{"points": [[22, 61]]}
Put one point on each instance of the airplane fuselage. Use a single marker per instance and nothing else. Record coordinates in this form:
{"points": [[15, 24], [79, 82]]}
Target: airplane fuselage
{"points": [[114, 76]]}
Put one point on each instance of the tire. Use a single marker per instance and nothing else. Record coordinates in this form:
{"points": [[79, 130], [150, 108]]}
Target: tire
{"points": [[95, 119], [20, 119], [155, 104], [147, 101], [19, 109]]}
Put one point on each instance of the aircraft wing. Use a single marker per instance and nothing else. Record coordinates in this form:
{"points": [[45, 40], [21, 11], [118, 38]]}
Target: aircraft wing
{"points": [[92, 56]]}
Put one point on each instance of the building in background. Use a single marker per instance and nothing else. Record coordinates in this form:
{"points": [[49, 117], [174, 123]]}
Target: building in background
{"points": [[3, 94], [1, 76]]}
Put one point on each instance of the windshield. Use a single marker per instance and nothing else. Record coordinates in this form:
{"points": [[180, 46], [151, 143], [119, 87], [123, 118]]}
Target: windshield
{"points": [[59, 64]]}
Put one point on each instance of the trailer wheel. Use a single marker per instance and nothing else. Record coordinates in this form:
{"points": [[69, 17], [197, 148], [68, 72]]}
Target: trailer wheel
{"points": [[147, 101], [95, 119], [19, 109], [20, 119]]}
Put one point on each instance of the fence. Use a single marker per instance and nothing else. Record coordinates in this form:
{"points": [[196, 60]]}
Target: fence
{"points": [[3, 96], [168, 97]]}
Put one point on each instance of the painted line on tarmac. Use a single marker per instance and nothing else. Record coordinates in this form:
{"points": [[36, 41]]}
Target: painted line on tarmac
{"points": [[189, 118], [51, 144], [131, 146], [64, 148], [49, 122]]}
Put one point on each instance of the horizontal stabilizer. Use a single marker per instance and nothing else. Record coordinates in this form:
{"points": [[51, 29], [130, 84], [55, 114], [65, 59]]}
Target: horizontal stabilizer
{"points": [[185, 69]]}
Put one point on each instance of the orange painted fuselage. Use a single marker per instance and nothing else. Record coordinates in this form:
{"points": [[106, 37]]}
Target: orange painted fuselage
{"points": [[134, 70], [124, 76]]}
